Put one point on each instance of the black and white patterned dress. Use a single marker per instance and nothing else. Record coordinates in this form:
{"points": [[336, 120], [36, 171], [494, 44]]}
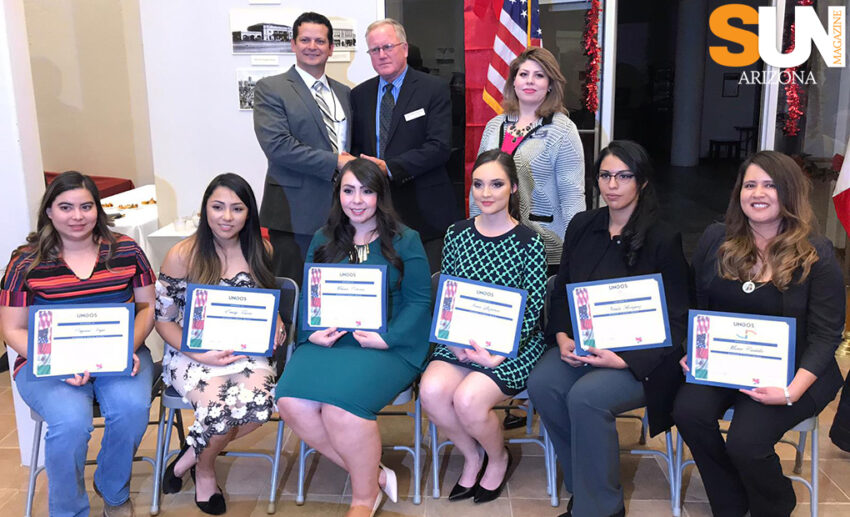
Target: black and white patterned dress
{"points": [[223, 397], [514, 259]]}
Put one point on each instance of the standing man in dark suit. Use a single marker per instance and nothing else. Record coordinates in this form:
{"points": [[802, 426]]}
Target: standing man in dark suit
{"points": [[402, 122], [301, 119]]}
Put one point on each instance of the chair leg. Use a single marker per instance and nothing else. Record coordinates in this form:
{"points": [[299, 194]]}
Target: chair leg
{"points": [[435, 461], [671, 471], [677, 471], [158, 465], [34, 469], [278, 450], [529, 416], [815, 470], [302, 460], [551, 465], [417, 452]]}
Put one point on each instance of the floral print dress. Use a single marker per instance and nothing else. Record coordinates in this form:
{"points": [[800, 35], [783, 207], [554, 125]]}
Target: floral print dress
{"points": [[224, 397]]}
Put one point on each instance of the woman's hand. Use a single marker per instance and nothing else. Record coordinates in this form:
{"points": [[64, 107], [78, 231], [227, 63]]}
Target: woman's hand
{"points": [[459, 352], [768, 396], [368, 339], [601, 358], [567, 347], [135, 366], [326, 337], [79, 380], [280, 333], [215, 357], [683, 362], [482, 356]]}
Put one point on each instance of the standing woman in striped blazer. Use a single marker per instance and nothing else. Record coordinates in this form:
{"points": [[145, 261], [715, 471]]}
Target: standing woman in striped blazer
{"points": [[73, 257]]}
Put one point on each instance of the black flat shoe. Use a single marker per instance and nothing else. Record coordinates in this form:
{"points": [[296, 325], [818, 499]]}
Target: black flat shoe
{"points": [[171, 484], [569, 512], [215, 505], [485, 495], [460, 492]]}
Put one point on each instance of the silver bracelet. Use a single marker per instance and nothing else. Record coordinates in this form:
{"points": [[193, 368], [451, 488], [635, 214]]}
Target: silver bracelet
{"points": [[787, 397]]}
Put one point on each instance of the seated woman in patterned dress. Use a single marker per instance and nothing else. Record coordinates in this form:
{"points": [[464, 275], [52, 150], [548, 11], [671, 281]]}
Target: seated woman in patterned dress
{"points": [[337, 381], [231, 393], [73, 257], [460, 386]]}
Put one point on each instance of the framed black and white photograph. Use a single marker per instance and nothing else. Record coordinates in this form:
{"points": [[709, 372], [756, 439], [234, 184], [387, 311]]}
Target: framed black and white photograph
{"points": [[246, 80], [268, 30], [730, 84]]}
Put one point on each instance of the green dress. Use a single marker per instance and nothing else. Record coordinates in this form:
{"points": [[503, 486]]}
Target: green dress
{"points": [[364, 380]]}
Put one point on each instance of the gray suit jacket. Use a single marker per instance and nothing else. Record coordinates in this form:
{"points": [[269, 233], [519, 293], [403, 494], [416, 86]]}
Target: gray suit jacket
{"points": [[290, 130]]}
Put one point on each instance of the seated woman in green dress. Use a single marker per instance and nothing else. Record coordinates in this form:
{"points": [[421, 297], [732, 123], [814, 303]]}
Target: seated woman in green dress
{"points": [[460, 386], [336, 381]]}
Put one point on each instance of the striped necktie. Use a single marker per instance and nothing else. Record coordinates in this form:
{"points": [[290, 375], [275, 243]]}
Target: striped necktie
{"points": [[330, 125], [387, 105]]}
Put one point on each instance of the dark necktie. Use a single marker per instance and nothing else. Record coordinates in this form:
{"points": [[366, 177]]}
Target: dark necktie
{"points": [[387, 105]]}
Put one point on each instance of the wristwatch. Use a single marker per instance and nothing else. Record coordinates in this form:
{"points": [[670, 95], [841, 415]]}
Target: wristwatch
{"points": [[787, 397]]}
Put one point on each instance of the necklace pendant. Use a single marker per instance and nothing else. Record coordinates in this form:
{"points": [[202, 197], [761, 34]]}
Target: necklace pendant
{"points": [[748, 287]]}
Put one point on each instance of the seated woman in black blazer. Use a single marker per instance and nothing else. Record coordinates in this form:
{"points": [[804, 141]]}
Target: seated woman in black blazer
{"points": [[769, 243], [578, 405]]}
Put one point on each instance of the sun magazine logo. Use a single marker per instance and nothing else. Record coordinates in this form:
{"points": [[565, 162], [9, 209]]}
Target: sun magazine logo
{"points": [[829, 38]]}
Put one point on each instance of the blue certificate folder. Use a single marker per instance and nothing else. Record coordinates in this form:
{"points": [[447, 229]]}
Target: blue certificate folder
{"points": [[316, 304], [444, 306], [41, 361], [584, 319], [194, 324], [762, 353]]}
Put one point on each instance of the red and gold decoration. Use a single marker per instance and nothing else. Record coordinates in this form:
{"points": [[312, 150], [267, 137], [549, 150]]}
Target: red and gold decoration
{"points": [[593, 51], [793, 90]]}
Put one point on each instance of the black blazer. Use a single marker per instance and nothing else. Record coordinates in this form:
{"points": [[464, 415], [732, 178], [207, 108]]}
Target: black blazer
{"points": [[417, 149], [292, 134], [657, 368], [817, 304]]}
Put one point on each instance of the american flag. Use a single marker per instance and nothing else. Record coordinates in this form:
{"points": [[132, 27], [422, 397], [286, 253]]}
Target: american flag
{"points": [[519, 27]]}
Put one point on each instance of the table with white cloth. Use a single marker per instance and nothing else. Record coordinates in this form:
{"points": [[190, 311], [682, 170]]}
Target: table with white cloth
{"points": [[137, 222], [162, 240]]}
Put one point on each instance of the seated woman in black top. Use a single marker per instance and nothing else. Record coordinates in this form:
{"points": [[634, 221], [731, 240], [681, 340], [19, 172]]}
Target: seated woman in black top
{"points": [[579, 397], [768, 243]]}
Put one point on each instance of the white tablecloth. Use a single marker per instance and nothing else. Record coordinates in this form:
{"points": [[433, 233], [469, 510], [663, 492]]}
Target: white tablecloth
{"points": [[160, 241], [137, 223]]}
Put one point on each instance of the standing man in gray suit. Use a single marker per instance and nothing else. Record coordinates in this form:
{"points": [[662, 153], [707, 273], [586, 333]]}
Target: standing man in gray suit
{"points": [[302, 121]]}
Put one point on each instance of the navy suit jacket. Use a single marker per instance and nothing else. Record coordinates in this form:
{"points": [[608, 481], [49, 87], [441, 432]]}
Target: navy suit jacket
{"points": [[417, 149], [292, 134]]}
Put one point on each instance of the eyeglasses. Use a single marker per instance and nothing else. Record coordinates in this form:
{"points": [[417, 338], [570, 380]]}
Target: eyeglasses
{"points": [[385, 48], [621, 177]]}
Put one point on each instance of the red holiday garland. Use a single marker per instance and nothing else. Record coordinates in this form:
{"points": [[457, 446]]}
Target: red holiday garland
{"points": [[594, 55], [793, 89]]}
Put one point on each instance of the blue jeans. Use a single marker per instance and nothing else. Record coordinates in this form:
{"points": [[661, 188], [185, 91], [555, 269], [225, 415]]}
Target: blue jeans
{"points": [[125, 405]]}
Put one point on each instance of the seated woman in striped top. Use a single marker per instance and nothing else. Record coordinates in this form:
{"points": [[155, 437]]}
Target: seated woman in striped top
{"points": [[73, 257]]}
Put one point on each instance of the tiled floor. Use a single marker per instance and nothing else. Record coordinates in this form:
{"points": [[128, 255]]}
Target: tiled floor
{"points": [[246, 482]]}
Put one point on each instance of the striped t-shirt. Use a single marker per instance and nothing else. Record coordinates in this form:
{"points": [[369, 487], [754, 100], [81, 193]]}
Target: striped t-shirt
{"points": [[54, 282]]}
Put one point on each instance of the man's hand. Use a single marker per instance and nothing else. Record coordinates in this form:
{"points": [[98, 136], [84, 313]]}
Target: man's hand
{"points": [[343, 158], [377, 161]]}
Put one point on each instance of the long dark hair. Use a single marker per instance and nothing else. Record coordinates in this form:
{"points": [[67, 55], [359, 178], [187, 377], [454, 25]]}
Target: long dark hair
{"points": [[645, 213], [508, 165], [790, 249], [45, 242], [204, 264], [340, 232]]}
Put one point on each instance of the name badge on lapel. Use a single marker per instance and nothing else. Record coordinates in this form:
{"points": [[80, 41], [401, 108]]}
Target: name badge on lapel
{"points": [[414, 114]]}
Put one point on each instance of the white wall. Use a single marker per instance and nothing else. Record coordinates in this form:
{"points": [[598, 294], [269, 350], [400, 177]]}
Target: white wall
{"points": [[197, 130]]}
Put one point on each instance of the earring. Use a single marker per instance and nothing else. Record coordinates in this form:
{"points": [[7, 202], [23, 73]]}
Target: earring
{"points": [[549, 90]]}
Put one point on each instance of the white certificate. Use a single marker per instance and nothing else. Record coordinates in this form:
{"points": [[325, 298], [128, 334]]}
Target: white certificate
{"points": [[71, 339], [348, 297], [740, 350], [619, 313], [219, 317], [491, 315]]}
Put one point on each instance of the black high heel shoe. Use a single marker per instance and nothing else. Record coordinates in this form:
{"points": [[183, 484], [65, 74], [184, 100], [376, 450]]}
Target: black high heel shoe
{"points": [[485, 495], [215, 505], [171, 484], [460, 492]]}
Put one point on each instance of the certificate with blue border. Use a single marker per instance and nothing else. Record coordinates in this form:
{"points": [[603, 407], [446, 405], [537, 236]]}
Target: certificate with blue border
{"points": [[489, 314], [219, 317], [616, 314], [740, 350], [345, 296], [68, 339]]}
